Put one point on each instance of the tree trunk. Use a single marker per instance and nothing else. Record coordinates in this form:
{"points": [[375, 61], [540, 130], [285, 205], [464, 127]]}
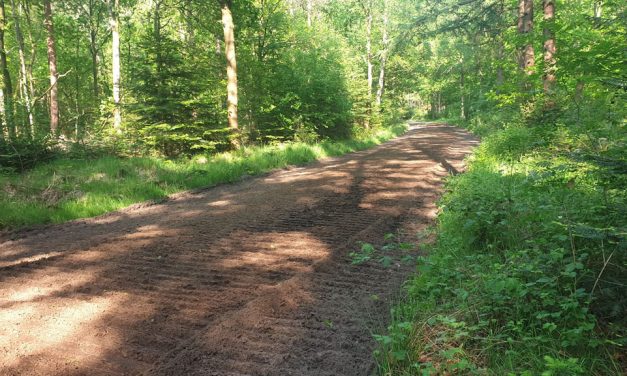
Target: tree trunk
{"points": [[309, 12], [94, 64], [157, 36], [189, 26], [32, 57], [500, 74], [462, 83], [93, 49], [384, 54], [114, 7], [500, 54], [525, 26], [549, 47], [52, 64], [598, 11], [7, 86], [369, 45], [2, 124], [24, 77], [231, 70], [78, 127], [218, 46]]}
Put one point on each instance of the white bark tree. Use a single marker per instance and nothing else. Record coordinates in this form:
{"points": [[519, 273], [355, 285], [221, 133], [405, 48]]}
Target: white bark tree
{"points": [[114, 22]]}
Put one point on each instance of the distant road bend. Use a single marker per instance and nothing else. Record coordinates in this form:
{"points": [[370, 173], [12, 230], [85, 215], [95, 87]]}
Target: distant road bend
{"points": [[251, 278]]}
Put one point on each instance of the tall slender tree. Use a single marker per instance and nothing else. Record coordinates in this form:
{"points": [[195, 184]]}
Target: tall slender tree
{"points": [[368, 12], [25, 77], [309, 12], [156, 28], [549, 46], [7, 86], [525, 27], [114, 6], [52, 65], [93, 22], [30, 63], [384, 52], [231, 69], [462, 88]]}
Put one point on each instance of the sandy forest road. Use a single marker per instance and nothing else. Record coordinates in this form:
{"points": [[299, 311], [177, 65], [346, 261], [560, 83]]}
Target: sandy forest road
{"points": [[245, 279]]}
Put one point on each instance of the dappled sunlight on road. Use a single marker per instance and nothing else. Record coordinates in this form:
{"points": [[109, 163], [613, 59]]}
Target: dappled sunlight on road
{"points": [[58, 330], [249, 278]]}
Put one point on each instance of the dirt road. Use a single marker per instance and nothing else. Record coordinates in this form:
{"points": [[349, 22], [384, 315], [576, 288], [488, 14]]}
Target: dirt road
{"points": [[252, 278]]}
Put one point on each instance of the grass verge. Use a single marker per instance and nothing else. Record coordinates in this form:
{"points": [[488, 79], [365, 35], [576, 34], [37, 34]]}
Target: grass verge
{"points": [[67, 189], [528, 272]]}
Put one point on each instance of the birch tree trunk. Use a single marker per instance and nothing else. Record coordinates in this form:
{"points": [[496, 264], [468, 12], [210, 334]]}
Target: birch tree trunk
{"points": [[52, 64], [384, 54], [24, 75], [231, 70], [114, 6], [32, 57], [597, 13], [309, 12]]}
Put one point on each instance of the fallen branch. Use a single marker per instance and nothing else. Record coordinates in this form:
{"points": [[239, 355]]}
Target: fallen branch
{"points": [[51, 86]]}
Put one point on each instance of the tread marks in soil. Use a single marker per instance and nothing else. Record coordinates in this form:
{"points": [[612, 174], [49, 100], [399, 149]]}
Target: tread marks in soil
{"points": [[244, 279]]}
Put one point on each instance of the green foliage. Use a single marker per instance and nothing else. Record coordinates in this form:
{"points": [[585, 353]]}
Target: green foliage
{"points": [[20, 154], [529, 260], [527, 275], [391, 250], [296, 81], [69, 188], [293, 91], [173, 108], [364, 254]]}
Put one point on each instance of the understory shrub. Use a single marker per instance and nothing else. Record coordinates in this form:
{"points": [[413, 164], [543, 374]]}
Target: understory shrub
{"points": [[87, 185], [21, 154], [527, 275]]}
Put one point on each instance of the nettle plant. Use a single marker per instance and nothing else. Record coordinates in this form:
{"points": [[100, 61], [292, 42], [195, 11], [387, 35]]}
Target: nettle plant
{"points": [[385, 254]]}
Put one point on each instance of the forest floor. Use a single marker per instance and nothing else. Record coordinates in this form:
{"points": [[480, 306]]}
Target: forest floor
{"points": [[252, 278]]}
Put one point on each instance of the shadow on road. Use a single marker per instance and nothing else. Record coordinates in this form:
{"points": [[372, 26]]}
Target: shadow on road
{"points": [[249, 278]]}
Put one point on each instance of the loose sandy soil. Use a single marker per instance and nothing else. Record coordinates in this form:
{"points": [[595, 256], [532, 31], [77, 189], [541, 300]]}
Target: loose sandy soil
{"points": [[252, 278]]}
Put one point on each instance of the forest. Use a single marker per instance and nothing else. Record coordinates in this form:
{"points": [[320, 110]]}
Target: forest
{"points": [[148, 77], [108, 103]]}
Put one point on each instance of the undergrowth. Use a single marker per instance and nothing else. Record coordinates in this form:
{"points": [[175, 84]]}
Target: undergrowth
{"points": [[67, 189], [528, 272]]}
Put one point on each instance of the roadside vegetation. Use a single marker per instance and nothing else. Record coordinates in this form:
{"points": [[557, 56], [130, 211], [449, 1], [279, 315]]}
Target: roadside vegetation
{"points": [[527, 275], [71, 188], [108, 103], [527, 272]]}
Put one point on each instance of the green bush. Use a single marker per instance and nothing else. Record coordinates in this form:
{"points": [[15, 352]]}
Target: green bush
{"points": [[527, 273], [20, 154]]}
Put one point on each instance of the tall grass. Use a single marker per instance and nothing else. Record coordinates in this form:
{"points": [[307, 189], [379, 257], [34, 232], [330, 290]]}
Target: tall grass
{"points": [[68, 189]]}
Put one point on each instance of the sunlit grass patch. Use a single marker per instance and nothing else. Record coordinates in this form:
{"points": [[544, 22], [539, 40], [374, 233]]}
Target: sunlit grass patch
{"points": [[67, 189]]}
